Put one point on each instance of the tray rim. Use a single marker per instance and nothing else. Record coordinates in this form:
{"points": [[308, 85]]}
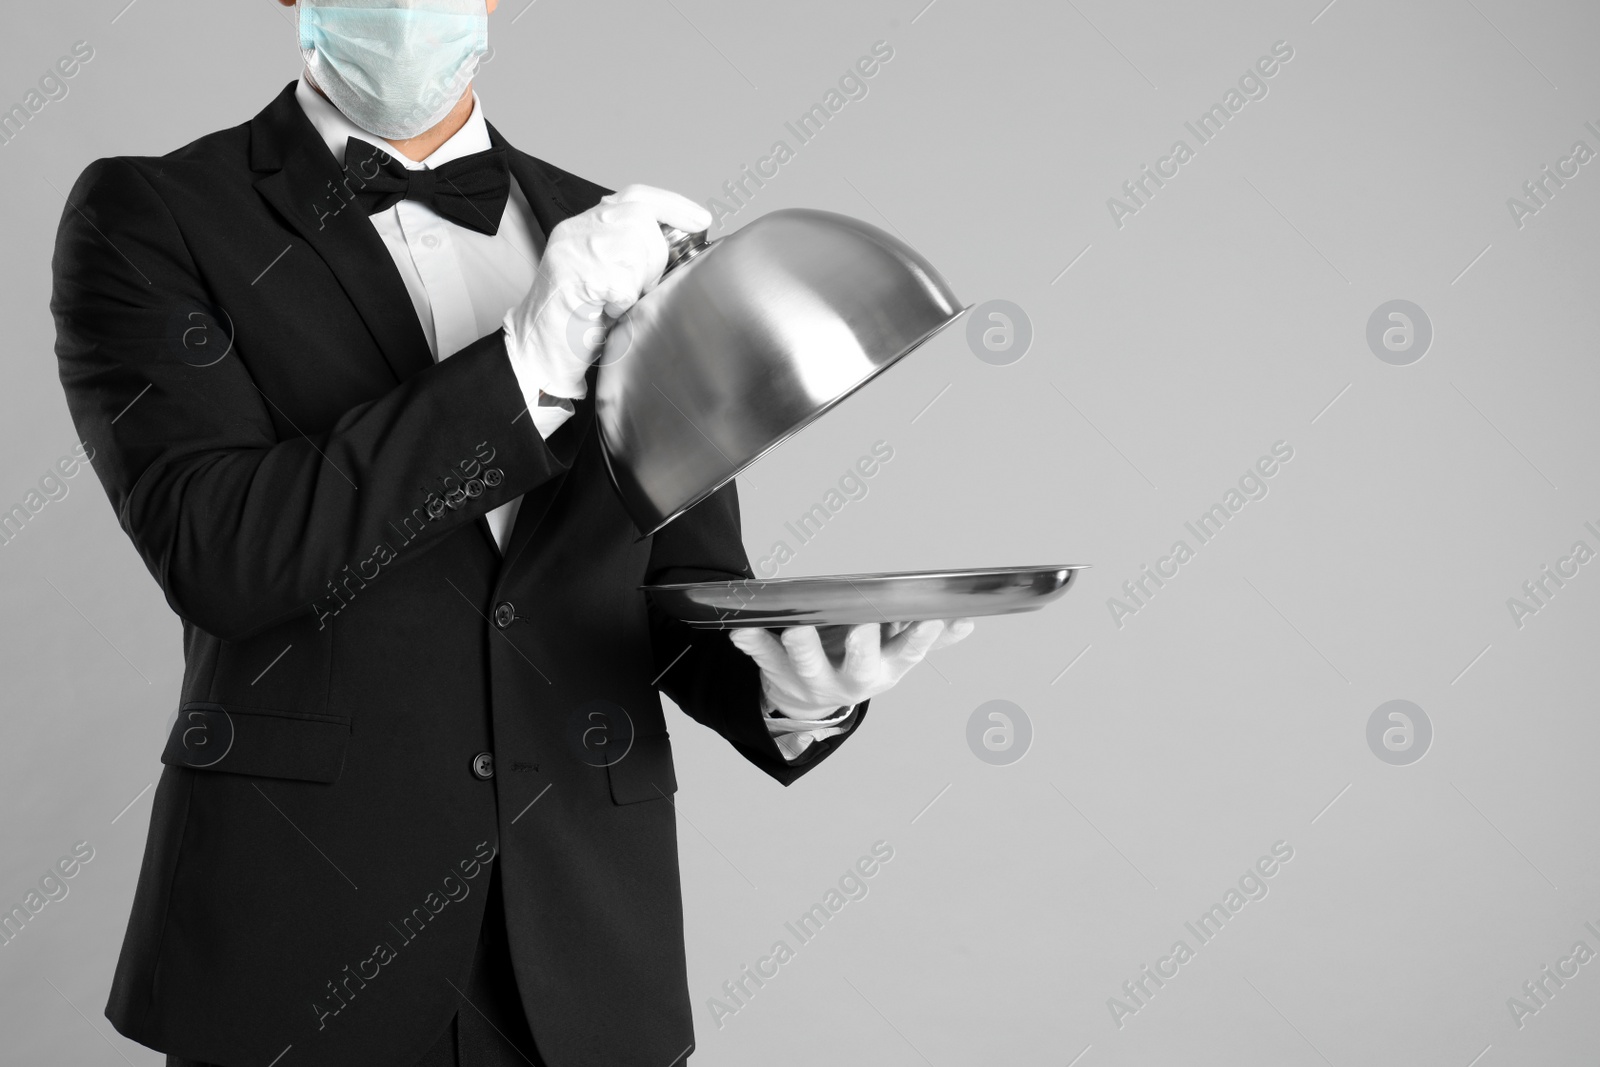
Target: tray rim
{"points": [[881, 576]]}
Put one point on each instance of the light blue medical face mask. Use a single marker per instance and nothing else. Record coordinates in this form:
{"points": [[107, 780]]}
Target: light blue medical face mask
{"points": [[394, 67]]}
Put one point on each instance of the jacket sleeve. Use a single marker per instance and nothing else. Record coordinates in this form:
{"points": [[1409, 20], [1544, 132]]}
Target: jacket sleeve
{"points": [[706, 674], [242, 525]]}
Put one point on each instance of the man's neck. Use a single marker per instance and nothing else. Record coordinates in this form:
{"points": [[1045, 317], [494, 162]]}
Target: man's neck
{"points": [[428, 141]]}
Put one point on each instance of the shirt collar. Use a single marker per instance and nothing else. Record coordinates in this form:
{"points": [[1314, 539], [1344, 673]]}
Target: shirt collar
{"points": [[336, 129]]}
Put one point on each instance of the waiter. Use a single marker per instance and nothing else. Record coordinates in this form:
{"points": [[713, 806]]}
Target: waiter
{"points": [[417, 805]]}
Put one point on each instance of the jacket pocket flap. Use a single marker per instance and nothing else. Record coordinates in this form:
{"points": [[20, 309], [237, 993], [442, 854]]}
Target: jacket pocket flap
{"points": [[257, 741], [645, 773]]}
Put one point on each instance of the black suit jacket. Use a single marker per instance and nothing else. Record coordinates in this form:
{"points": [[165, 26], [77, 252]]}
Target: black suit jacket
{"points": [[307, 485]]}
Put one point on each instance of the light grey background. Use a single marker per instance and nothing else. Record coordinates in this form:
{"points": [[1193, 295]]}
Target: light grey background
{"points": [[1225, 716]]}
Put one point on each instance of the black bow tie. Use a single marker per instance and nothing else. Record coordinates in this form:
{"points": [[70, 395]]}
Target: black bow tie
{"points": [[470, 191]]}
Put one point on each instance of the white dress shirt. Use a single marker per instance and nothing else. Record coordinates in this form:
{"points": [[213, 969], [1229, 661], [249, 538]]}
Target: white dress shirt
{"points": [[462, 283]]}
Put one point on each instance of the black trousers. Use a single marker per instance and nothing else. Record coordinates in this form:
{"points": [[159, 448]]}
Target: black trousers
{"points": [[490, 1029]]}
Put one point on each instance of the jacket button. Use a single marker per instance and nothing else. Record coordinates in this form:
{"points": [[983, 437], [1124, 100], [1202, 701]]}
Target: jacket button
{"points": [[504, 614], [483, 766], [474, 488], [493, 477]]}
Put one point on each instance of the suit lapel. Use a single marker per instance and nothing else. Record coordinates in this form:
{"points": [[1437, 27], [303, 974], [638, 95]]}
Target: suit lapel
{"points": [[305, 185], [544, 186]]}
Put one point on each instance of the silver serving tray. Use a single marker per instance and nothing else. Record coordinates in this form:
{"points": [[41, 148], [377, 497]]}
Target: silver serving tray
{"points": [[851, 599]]}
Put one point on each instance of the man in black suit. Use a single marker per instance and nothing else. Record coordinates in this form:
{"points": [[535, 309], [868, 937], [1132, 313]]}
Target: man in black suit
{"points": [[332, 384]]}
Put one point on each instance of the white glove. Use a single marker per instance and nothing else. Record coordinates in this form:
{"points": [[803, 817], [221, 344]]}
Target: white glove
{"points": [[601, 261], [801, 679]]}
